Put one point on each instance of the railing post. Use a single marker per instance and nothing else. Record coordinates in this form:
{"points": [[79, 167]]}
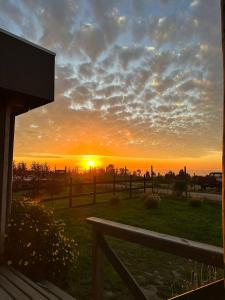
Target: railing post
{"points": [[71, 193], [130, 191], [94, 189], [97, 275], [144, 183], [114, 184]]}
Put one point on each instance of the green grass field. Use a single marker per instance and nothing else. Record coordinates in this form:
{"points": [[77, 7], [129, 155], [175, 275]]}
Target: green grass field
{"points": [[160, 274]]}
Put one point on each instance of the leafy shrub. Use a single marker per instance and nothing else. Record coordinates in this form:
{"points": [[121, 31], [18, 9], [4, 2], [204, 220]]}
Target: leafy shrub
{"points": [[195, 202], [179, 187], [36, 243], [152, 200], [114, 200]]}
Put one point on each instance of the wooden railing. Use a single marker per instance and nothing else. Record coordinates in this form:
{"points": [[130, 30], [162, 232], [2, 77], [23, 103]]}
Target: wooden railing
{"points": [[208, 254]]}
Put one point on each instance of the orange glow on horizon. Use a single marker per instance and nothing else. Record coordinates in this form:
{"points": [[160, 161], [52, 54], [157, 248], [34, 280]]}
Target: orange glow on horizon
{"points": [[199, 165]]}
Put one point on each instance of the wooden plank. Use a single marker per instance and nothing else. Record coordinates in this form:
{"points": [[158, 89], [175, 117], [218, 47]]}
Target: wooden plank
{"points": [[125, 275], [12, 290], [56, 291], [207, 254], [28, 287], [33, 284], [214, 290], [4, 295]]}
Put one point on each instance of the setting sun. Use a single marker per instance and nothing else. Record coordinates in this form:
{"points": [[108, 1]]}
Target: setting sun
{"points": [[90, 163]]}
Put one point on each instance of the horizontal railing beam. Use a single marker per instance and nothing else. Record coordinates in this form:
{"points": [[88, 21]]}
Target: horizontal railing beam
{"points": [[208, 254]]}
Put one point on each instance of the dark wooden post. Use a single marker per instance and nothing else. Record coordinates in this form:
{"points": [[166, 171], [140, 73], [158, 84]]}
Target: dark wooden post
{"points": [[144, 183], [186, 181], [71, 193], [7, 120], [94, 190], [97, 273], [223, 156], [130, 190], [114, 184], [194, 182], [152, 177]]}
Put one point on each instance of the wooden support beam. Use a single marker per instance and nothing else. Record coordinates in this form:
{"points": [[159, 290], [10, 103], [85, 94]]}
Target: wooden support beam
{"points": [[121, 269], [7, 120]]}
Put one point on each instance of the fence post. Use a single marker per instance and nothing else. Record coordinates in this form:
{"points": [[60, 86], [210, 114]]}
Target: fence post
{"points": [[144, 183], [130, 192], [194, 182], [186, 182], [114, 184], [94, 189], [70, 192], [97, 272], [152, 177]]}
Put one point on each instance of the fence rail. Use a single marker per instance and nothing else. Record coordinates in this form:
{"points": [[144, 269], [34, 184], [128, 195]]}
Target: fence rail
{"points": [[208, 254], [116, 188]]}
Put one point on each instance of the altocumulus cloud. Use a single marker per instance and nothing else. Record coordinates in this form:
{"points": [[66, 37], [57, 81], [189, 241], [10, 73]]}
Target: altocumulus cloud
{"points": [[138, 77]]}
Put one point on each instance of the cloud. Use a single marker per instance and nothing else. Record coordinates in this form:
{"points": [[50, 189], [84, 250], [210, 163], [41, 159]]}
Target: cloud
{"points": [[90, 39], [148, 68]]}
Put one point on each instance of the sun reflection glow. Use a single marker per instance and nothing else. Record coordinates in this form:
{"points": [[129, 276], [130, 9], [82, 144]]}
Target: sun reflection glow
{"points": [[90, 161]]}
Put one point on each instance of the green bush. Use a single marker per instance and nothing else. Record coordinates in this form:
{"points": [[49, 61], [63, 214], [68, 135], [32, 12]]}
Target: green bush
{"points": [[152, 200], [36, 243], [179, 187], [195, 202]]}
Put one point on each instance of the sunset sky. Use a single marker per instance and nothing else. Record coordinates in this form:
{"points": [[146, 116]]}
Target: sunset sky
{"points": [[138, 82]]}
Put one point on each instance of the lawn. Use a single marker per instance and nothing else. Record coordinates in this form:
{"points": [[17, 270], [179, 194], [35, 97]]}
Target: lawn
{"points": [[160, 274]]}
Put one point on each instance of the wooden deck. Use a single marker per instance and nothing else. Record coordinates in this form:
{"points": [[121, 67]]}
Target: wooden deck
{"points": [[15, 286]]}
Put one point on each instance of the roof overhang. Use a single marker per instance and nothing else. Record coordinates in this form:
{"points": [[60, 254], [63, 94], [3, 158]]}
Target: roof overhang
{"points": [[27, 73]]}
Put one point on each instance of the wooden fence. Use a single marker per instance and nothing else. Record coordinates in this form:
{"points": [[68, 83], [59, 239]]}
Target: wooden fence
{"points": [[116, 188], [208, 254]]}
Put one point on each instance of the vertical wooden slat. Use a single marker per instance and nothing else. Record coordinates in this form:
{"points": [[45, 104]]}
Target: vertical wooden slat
{"points": [[71, 193], [223, 155], [97, 273], [144, 184], [152, 177], [130, 191], [94, 190], [114, 184]]}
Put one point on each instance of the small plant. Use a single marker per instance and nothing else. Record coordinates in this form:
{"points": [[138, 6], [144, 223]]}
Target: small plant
{"points": [[195, 202], [179, 187], [152, 200], [114, 200], [36, 243]]}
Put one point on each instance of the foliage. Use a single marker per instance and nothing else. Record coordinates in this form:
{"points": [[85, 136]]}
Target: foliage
{"points": [[179, 187], [152, 200], [36, 243], [114, 200], [195, 202]]}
